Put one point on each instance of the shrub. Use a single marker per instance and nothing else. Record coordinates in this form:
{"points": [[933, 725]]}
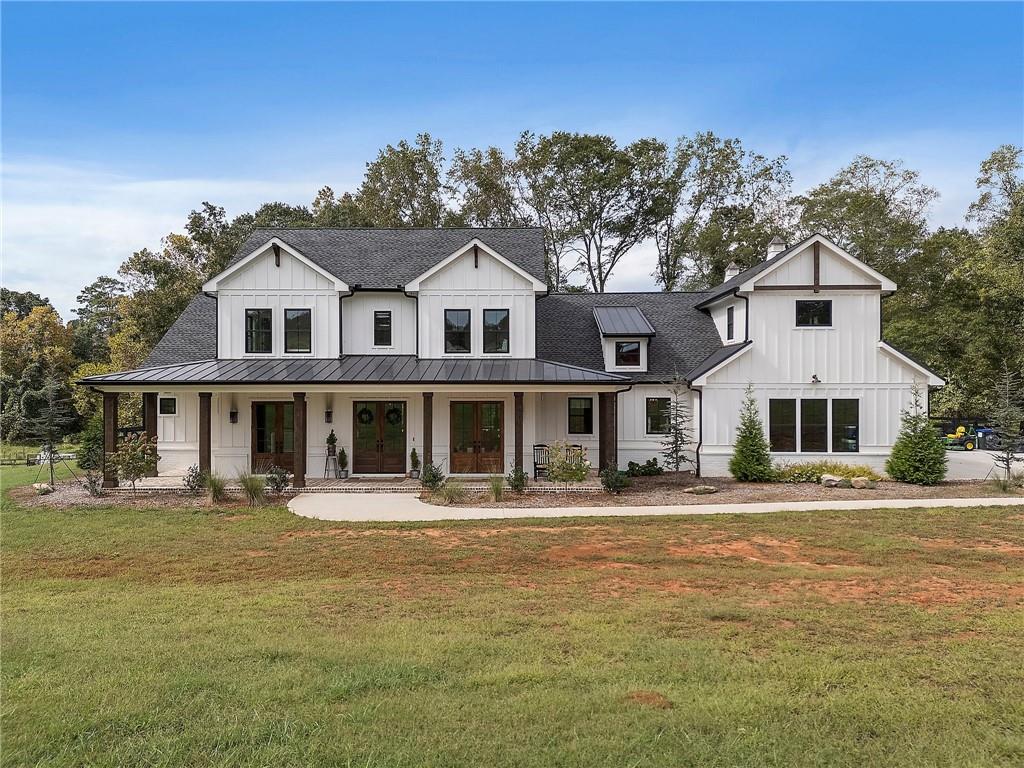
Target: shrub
{"points": [[918, 456], [811, 471], [135, 456], [93, 482], [614, 480], [567, 464], [751, 460], [674, 446], [450, 492], [432, 477], [254, 487], [216, 487], [497, 483], [194, 480], [517, 479], [342, 459], [647, 469], [277, 479], [90, 450], [414, 460]]}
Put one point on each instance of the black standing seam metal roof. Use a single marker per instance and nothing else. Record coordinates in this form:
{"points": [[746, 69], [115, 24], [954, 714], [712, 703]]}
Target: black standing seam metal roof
{"points": [[622, 321], [361, 369]]}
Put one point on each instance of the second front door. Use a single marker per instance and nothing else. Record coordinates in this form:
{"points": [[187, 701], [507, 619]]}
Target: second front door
{"points": [[476, 438], [378, 437]]}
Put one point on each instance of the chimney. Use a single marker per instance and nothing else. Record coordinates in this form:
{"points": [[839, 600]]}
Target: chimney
{"points": [[732, 270], [775, 247]]}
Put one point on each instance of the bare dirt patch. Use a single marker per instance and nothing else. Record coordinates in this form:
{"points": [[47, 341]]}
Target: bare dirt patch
{"points": [[649, 699]]}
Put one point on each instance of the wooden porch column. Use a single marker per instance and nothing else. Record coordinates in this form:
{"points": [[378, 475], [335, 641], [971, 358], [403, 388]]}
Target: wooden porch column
{"points": [[149, 422], [608, 426], [109, 438], [428, 428], [299, 479], [518, 402], [205, 465]]}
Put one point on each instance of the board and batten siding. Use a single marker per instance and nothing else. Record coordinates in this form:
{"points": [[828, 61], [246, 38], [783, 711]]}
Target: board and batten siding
{"points": [[263, 285], [357, 323], [489, 285]]}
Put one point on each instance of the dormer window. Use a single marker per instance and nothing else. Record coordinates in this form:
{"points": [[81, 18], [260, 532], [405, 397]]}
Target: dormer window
{"points": [[627, 354], [259, 338]]}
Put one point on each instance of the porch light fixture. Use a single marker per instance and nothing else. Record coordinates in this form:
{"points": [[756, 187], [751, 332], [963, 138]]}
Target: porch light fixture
{"points": [[233, 415], [815, 379], [328, 416]]}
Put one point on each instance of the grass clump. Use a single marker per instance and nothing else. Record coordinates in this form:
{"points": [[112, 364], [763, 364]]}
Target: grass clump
{"points": [[811, 471], [450, 492], [254, 487], [497, 483], [216, 487]]}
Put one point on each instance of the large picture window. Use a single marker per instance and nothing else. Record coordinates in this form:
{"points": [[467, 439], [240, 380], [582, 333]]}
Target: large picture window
{"points": [[782, 425], [627, 354], [496, 336], [382, 328], [259, 338], [581, 416], [813, 425], [457, 337], [298, 331], [814, 314], [657, 415], [845, 426]]}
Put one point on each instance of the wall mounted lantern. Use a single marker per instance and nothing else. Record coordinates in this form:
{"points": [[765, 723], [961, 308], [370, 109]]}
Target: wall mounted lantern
{"points": [[328, 416], [233, 415], [815, 379]]}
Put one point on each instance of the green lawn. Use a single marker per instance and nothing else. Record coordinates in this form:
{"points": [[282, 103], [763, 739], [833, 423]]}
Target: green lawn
{"points": [[192, 637]]}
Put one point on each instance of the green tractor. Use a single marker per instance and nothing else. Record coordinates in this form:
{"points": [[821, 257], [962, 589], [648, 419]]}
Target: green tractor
{"points": [[962, 439]]}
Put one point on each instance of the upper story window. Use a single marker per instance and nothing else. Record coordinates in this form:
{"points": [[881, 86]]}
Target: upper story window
{"points": [[627, 354], [581, 415], [298, 331], [730, 323], [259, 338], [812, 314], [382, 328], [496, 338], [457, 337]]}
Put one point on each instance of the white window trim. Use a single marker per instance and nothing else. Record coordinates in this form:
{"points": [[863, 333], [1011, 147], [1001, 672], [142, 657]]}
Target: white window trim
{"points": [[472, 335], [373, 328], [245, 333], [312, 333], [168, 397], [655, 397], [483, 352], [610, 344]]}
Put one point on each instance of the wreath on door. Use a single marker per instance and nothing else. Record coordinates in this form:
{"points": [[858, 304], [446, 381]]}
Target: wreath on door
{"points": [[365, 416], [393, 416]]}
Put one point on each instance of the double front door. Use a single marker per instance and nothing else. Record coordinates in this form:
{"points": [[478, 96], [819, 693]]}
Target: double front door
{"points": [[273, 435], [476, 438], [378, 437]]}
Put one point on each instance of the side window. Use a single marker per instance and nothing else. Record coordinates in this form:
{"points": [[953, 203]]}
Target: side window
{"points": [[845, 426], [457, 337], [657, 415], [298, 331], [730, 327], [496, 336], [581, 416], [812, 314], [627, 354], [382, 328], [782, 425], [168, 406], [258, 334]]}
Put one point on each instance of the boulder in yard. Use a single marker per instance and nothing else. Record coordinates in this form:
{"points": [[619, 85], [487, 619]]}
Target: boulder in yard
{"points": [[42, 488], [831, 481], [845, 483], [863, 482], [700, 489]]}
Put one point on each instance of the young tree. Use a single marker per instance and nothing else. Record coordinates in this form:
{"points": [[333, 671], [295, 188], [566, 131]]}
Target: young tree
{"points": [[918, 456], [678, 439], [52, 416], [751, 460], [135, 456], [1007, 417]]}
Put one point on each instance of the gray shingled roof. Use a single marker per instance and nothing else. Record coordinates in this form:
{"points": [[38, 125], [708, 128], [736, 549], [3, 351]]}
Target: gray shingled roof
{"points": [[622, 321], [715, 358], [567, 330], [386, 258], [719, 291], [361, 369], [192, 337]]}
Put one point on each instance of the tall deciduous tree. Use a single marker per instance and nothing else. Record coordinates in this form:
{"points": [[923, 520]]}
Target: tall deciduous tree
{"points": [[488, 187], [404, 186]]}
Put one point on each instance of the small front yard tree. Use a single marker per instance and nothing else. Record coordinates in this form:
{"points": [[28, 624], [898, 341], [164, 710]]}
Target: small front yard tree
{"points": [[918, 456], [680, 429], [751, 460], [1007, 415], [134, 457]]}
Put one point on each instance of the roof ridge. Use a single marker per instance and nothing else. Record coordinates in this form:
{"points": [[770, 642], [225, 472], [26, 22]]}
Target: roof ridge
{"points": [[313, 227]]}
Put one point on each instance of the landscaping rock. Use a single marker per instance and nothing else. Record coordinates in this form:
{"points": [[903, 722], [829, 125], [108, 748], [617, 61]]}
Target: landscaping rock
{"points": [[831, 481], [863, 482], [42, 488], [700, 489], [845, 483]]}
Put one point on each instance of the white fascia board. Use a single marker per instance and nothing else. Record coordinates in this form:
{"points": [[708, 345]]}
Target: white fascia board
{"points": [[701, 380], [932, 379], [414, 285], [213, 282], [888, 286]]}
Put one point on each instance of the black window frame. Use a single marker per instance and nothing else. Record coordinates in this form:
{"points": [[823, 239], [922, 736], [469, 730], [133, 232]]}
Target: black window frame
{"points": [[811, 305], [814, 426], [639, 355], [378, 314], [160, 406], [288, 350], [782, 430], [665, 415], [840, 428], [492, 334], [730, 323], [468, 332], [586, 415], [268, 332]]}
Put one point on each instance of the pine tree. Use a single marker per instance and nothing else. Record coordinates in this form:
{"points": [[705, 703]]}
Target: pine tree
{"points": [[675, 444], [918, 456], [1006, 423], [751, 459]]}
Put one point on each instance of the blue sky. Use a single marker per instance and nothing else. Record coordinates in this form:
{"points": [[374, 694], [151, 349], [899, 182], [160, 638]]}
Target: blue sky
{"points": [[120, 118]]}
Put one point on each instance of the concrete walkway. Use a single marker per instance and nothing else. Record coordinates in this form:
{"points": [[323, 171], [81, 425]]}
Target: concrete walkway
{"points": [[405, 507]]}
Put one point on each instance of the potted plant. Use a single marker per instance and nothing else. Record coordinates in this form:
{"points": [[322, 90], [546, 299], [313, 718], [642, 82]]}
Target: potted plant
{"points": [[332, 443], [342, 461], [414, 465]]}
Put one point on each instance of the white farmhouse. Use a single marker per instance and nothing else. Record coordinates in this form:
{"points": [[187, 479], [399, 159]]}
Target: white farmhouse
{"points": [[447, 341]]}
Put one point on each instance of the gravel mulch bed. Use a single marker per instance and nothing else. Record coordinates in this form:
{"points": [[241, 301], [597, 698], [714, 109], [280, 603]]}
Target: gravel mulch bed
{"points": [[72, 495]]}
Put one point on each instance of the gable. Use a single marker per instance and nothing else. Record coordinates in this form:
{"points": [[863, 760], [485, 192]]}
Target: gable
{"points": [[475, 267], [275, 265], [798, 269]]}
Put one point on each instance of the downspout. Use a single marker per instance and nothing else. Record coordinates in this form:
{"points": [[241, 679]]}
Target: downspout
{"points": [[700, 428]]}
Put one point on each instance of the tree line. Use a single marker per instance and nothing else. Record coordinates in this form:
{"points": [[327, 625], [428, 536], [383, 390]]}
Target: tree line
{"points": [[703, 201]]}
